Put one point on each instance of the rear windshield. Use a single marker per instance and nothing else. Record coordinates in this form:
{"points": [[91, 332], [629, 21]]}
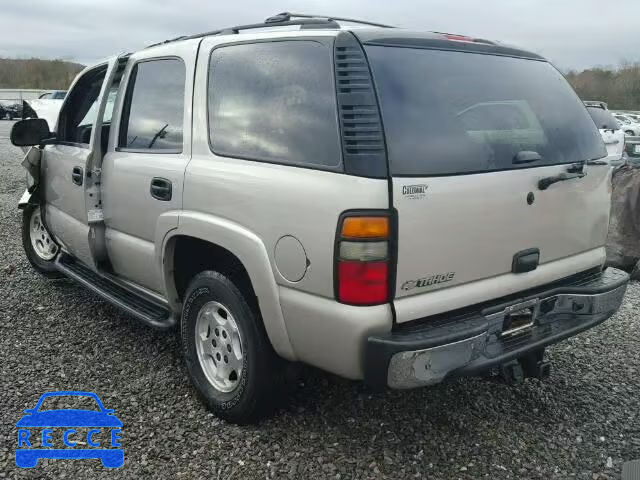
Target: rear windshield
{"points": [[603, 118], [450, 112]]}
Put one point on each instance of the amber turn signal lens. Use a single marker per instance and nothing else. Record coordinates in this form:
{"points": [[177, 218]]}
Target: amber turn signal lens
{"points": [[365, 227]]}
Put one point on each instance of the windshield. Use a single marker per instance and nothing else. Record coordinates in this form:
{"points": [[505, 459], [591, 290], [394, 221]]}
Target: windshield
{"points": [[448, 112], [603, 118]]}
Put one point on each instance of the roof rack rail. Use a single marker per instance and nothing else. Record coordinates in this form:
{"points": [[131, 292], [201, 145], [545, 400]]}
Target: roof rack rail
{"points": [[279, 20], [288, 16]]}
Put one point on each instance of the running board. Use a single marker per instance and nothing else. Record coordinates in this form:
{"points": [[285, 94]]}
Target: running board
{"points": [[140, 306]]}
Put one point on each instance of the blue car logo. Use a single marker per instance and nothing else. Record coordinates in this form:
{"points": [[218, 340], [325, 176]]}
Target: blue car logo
{"points": [[41, 431]]}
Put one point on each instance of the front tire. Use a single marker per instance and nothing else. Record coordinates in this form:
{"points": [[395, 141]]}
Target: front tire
{"points": [[38, 244], [229, 357]]}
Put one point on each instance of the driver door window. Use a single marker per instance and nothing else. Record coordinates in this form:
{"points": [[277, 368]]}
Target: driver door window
{"points": [[79, 113]]}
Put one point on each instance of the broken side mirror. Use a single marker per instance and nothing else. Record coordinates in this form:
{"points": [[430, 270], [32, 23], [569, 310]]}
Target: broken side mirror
{"points": [[30, 132]]}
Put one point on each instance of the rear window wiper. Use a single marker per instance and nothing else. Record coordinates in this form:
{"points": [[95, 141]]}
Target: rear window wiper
{"points": [[546, 182]]}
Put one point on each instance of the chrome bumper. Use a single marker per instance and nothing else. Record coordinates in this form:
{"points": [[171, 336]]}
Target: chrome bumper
{"points": [[469, 344]]}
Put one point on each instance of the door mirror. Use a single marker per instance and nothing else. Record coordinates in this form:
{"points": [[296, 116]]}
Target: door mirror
{"points": [[30, 132]]}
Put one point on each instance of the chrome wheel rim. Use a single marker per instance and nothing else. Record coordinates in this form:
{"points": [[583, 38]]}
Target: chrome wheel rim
{"points": [[219, 346], [41, 241]]}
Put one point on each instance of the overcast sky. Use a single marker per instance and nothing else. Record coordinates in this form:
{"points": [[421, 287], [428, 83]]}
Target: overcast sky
{"points": [[574, 34]]}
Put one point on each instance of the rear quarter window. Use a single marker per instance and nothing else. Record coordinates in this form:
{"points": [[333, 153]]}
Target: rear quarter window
{"points": [[274, 102], [447, 112]]}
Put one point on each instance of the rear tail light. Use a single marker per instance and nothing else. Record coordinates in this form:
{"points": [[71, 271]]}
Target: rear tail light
{"points": [[362, 260]]}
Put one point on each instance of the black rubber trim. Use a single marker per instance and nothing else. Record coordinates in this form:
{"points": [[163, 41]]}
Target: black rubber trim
{"points": [[454, 327], [141, 307]]}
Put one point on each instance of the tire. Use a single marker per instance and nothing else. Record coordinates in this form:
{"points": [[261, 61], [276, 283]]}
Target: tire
{"points": [[213, 351], [635, 273], [629, 132], [43, 264]]}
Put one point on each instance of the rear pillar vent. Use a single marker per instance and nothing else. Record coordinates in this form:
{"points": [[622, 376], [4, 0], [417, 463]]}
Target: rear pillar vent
{"points": [[363, 146]]}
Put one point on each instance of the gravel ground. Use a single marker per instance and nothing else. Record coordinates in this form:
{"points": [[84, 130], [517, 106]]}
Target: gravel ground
{"points": [[583, 422]]}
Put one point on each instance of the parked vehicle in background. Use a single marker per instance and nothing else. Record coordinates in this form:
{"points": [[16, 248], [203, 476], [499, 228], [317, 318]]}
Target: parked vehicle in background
{"points": [[628, 125], [632, 149], [391, 206], [53, 95], [610, 130], [633, 117], [10, 109], [47, 106]]}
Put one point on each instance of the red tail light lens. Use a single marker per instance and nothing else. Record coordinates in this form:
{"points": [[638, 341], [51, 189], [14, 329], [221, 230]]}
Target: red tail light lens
{"points": [[363, 283], [362, 260]]}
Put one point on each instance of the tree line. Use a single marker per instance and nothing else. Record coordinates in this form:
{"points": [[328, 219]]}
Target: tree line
{"points": [[37, 73], [619, 87]]}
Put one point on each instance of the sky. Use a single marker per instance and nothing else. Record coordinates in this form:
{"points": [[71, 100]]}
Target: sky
{"points": [[573, 34]]}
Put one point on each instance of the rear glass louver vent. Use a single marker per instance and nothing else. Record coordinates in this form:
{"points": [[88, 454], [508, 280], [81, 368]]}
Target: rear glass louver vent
{"points": [[362, 137]]}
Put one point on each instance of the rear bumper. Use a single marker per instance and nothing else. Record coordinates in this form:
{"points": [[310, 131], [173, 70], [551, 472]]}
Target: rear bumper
{"points": [[474, 342]]}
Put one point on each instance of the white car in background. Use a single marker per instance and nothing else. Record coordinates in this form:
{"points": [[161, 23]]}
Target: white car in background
{"points": [[47, 106], [634, 117], [612, 134], [628, 125]]}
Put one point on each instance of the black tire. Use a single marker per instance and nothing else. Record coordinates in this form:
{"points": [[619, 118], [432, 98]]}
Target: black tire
{"points": [[635, 273], [44, 267], [260, 384]]}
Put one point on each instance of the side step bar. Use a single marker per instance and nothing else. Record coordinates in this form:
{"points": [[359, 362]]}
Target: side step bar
{"points": [[140, 306]]}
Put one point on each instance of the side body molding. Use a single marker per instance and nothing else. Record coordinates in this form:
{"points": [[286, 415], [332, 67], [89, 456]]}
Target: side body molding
{"points": [[250, 250]]}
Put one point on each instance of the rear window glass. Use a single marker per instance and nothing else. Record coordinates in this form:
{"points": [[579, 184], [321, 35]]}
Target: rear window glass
{"points": [[603, 118], [450, 112], [274, 102]]}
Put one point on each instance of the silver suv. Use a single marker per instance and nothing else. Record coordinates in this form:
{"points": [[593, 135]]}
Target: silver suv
{"points": [[393, 206]]}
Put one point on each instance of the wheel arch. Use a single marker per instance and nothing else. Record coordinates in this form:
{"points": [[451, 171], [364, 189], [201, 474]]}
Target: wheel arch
{"points": [[240, 252]]}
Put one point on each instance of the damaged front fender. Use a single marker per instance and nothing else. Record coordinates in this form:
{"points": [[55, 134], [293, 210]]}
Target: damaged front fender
{"points": [[31, 163]]}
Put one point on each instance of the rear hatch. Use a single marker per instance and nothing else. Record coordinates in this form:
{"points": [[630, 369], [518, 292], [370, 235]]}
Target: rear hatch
{"points": [[611, 133], [469, 136]]}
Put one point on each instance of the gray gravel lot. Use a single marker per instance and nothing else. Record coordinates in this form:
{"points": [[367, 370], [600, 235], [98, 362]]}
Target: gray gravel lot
{"points": [[583, 422]]}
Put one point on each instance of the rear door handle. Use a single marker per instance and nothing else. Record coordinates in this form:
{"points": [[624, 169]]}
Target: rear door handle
{"points": [[161, 189], [76, 175]]}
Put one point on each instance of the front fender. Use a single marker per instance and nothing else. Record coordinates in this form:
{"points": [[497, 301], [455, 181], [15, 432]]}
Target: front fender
{"points": [[250, 250], [25, 199]]}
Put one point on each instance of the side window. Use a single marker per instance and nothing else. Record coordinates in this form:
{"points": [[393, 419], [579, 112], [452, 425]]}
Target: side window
{"points": [[274, 102], [154, 107], [79, 114]]}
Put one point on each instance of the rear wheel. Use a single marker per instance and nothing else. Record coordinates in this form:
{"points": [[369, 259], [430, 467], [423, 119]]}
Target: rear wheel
{"points": [[635, 273], [38, 244], [229, 358]]}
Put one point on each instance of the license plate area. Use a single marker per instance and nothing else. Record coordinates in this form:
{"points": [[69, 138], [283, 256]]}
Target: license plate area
{"points": [[519, 318]]}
